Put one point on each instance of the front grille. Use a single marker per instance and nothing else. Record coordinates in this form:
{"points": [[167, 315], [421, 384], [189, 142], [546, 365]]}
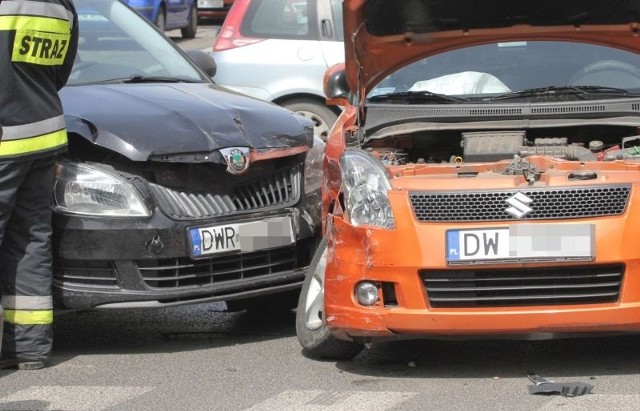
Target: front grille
{"points": [[97, 274], [278, 190], [522, 286], [178, 273], [557, 203]]}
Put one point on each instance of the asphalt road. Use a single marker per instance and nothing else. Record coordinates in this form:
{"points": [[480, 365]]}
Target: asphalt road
{"points": [[202, 358]]}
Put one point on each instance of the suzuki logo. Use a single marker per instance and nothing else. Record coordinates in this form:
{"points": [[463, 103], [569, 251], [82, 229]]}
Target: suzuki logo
{"points": [[519, 205]]}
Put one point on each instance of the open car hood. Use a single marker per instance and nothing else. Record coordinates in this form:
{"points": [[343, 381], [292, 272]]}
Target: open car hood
{"points": [[383, 35], [142, 121]]}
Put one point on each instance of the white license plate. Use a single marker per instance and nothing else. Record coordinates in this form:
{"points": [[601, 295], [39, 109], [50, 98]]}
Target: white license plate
{"points": [[241, 237], [212, 4], [542, 242]]}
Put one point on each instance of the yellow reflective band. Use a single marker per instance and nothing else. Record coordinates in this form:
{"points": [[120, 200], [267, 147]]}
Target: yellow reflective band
{"points": [[24, 317], [35, 23], [33, 144]]}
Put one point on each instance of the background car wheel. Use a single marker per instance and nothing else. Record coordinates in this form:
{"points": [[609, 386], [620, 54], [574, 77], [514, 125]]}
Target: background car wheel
{"points": [[323, 117], [280, 302], [189, 32], [313, 333], [161, 20]]}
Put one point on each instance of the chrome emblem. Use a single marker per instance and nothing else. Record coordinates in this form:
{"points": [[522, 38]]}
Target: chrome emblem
{"points": [[237, 159], [519, 205]]}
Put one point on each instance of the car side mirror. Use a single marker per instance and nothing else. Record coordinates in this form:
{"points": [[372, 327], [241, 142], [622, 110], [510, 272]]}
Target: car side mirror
{"points": [[335, 85], [203, 60]]}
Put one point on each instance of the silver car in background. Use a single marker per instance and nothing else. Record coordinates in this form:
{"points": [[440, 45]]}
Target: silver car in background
{"points": [[278, 50]]}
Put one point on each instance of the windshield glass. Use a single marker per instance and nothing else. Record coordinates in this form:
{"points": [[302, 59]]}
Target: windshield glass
{"points": [[116, 43], [500, 68]]}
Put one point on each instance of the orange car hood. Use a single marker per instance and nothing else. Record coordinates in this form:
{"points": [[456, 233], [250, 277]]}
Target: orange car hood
{"points": [[383, 35]]}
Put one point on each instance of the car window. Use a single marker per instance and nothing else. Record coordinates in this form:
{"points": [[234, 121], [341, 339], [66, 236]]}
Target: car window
{"points": [[505, 67], [115, 44], [336, 10], [285, 19]]}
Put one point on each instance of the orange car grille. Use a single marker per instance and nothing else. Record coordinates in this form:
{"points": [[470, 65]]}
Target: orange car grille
{"points": [[522, 286], [279, 190], [557, 203]]}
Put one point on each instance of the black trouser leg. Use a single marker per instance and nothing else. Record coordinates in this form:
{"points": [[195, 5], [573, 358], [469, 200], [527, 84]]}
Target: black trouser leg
{"points": [[25, 258]]}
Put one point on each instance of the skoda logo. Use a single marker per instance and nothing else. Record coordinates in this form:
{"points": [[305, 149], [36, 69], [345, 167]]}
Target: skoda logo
{"points": [[237, 159], [519, 205]]}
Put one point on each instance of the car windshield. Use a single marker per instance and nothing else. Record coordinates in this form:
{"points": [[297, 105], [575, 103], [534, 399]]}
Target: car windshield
{"points": [[519, 69], [116, 44]]}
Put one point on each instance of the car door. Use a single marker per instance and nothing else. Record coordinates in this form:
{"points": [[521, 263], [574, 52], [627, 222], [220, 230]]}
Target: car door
{"points": [[331, 31], [177, 13]]}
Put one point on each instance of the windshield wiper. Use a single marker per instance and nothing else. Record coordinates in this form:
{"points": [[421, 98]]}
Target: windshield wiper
{"points": [[582, 92], [417, 96], [137, 78]]}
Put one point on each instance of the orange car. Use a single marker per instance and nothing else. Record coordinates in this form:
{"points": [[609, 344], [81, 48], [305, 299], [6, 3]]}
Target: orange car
{"points": [[484, 177]]}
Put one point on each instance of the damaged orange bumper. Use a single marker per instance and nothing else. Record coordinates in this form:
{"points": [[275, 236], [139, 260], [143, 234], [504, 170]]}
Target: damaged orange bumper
{"points": [[402, 262]]}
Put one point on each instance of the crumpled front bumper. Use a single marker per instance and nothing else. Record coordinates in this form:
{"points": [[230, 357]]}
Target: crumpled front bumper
{"points": [[137, 263]]}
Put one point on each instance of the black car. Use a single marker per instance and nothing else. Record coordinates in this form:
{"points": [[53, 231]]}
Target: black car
{"points": [[175, 190]]}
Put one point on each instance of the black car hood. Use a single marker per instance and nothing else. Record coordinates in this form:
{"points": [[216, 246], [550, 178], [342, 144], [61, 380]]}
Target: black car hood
{"points": [[143, 120]]}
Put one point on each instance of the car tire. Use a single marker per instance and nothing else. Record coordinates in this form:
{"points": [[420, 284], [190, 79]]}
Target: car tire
{"points": [[161, 20], [313, 334], [274, 303], [323, 117], [190, 31]]}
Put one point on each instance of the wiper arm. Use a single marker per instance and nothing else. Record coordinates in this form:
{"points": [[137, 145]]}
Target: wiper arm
{"points": [[416, 96], [582, 92], [136, 78]]}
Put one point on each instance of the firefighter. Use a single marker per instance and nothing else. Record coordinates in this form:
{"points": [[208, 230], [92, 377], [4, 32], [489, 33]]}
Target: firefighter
{"points": [[38, 44]]}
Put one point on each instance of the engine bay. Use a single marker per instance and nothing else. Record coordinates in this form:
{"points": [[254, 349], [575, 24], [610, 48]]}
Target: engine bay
{"points": [[579, 143]]}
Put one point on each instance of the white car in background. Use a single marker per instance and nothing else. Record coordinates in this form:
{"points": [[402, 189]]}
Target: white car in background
{"points": [[278, 50]]}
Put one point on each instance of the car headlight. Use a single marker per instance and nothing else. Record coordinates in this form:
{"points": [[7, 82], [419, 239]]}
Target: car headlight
{"points": [[83, 189], [313, 166], [365, 186]]}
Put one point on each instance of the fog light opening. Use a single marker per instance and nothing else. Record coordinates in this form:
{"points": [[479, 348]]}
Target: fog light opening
{"points": [[367, 293]]}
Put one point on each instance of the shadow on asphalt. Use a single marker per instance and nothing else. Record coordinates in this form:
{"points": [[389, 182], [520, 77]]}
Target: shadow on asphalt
{"points": [[573, 358], [173, 329]]}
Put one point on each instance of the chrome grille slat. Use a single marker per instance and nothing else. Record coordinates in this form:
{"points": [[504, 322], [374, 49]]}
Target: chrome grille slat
{"points": [[548, 203], [279, 190], [490, 287]]}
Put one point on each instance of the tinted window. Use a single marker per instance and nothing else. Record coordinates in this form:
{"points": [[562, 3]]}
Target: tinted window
{"points": [[116, 43], [284, 19]]}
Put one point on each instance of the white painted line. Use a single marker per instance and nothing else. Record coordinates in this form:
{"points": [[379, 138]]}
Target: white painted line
{"points": [[314, 400], [594, 402], [71, 398]]}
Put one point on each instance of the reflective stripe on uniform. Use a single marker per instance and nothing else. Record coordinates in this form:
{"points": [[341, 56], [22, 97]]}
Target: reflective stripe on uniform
{"points": [[33, 144], [33, 23], [35, 8], [26, 317], [37, 128], [26, 302]]}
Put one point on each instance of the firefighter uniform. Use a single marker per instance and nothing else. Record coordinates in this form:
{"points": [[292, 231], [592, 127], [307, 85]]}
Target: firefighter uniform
{"points": [[38, 42]]}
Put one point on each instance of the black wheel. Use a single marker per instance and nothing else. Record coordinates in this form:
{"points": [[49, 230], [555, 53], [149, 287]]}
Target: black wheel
{"points": [[189, 32], [313, 333], [323, 117], [273, 303], [161, 20]]}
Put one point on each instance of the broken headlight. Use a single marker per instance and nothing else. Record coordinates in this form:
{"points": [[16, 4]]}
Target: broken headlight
{"points": [[87, 190], [365, 186]]}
